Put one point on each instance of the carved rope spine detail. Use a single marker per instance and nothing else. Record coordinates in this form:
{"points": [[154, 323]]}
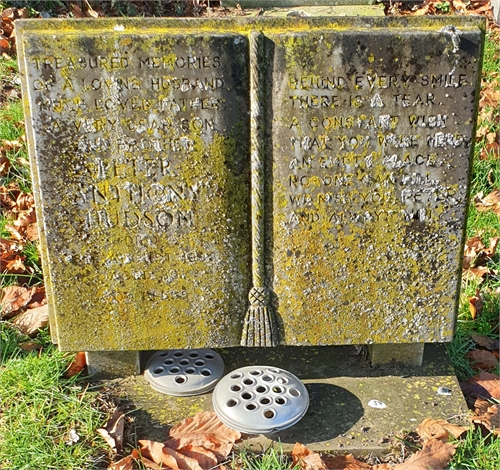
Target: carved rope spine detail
{"points": [[258, 328]]}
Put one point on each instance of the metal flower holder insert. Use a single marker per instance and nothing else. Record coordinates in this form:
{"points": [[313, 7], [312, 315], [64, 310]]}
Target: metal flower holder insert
{"points": [[260, 399], [184, 372]]}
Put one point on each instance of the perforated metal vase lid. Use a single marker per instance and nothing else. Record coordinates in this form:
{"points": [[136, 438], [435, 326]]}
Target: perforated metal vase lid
{"points": [[184, 372], [260, 399]]}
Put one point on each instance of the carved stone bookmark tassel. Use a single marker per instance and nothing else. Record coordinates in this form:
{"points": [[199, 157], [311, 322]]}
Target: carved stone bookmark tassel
{"points": [[259, 327]]}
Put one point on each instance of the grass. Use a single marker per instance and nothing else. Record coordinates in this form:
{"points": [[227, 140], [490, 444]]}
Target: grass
{"points": [[476, 452], [41, 409], [9, 121], [270, 459], [11, 129]]}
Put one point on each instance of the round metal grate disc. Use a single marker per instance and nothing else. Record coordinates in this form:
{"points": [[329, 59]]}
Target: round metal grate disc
{"points": [[260, 399], [184, 372]]}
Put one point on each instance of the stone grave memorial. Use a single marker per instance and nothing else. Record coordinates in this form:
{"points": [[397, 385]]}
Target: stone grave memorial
{"points": [[279, 188]]}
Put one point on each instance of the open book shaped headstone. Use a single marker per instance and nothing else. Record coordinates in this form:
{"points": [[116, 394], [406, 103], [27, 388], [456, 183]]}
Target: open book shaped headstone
{"points": [[211, 183]]}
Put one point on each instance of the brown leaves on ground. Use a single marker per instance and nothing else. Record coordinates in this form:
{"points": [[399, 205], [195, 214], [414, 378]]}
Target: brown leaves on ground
{"points": [[27, 305], [112, 433], [32, 320], [11, 257], [490, 95], [7, 37], [345, 462], [487, 115], [476, 256], [16, 299], [203, 442], [439, 429], [490, 202], [484, 385], [197, 443], [488, 415], [476, 304], [435, 453], [76, 366], [482, 360], [85, 10], [204, 430], [438, 7], [19, 208], [4, 165], [486, 342], [307, 459]]}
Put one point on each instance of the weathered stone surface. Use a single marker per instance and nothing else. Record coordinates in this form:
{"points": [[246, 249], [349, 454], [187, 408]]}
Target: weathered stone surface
{"points": [[410, 354], [139, 135], [340, 386], [372, 136], [113, 364], [141, 172]]}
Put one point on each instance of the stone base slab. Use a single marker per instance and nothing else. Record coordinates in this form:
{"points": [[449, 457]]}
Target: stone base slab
{"points": [[341, 382], [113, 364], [411, 354]]}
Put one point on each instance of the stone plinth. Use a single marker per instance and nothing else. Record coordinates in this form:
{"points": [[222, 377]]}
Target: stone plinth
{"points": [[340, 385]]}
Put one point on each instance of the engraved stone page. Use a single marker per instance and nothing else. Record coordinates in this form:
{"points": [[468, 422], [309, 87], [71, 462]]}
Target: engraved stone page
{"points": [[141, 171], [371, 147]]}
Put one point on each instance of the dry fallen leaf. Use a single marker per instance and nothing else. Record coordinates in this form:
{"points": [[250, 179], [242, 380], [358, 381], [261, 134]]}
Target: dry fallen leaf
{"points": [[204, 457], [10, 145], [434, 455], [4, 165], [482, 360], [484, 385], [197, 443], [492, 249], [459, 6], [76, 366], [30, 346], [127, 463], [426, 9], [30, 321], [25, 218], [32, 232], [182, 461], [476, 304], [154, 452], [345, 462], [14, 265], [476, 273], [204, 430], [489, 96], [13, 298], [439, 429], [486, 342], [490, 419], [25, 201], [8, 196], [4, 44], [307, 459], [481, 406], [473, 248], [489, 202]]}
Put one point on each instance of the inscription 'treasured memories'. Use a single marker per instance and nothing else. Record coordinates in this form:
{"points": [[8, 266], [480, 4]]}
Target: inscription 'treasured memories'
{"points": [[140, 148], [141, 153]]}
